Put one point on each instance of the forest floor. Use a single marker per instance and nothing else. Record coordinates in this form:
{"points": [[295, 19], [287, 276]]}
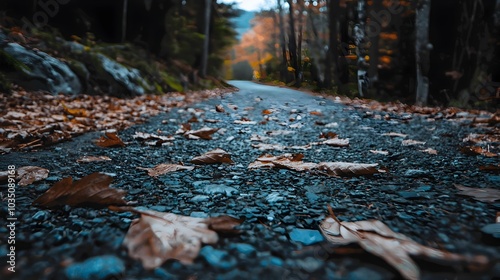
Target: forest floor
{"points": [[423, 157]]}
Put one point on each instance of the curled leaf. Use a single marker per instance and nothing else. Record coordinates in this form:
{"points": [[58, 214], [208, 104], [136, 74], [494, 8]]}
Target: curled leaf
{"points": [[92, 190], [30, 174], [203, 133], [110, 140], [481, 194], [93, 158], [165, 168], [348, 168], [214, 156]]}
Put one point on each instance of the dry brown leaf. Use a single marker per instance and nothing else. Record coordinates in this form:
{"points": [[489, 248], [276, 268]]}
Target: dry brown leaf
{"points": [[151, 136], [395, 248], [203, 133], [93, 159], [411, 142], [379, 152], [214, 156], [267, 112], [165, 168], [294, 165], [29, 174], [219, 108], [336, 142], [328, 135], [280, 132], [395, 134], [490, 167], [316, 113], [157, 237], [92, 190], [476, 150], [110, 140], [430, 151], [348, 168], [481, 194], [265, 147]]}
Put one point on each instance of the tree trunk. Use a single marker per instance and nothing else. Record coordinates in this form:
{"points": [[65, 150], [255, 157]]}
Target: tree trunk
{"points": [[374, 44], [284, 61], [206, 40], [333, 44], [292, 42], [124, 20], [360, 41], [422, 48]]}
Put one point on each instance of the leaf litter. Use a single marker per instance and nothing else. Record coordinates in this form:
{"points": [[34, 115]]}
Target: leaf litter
{"points": [[395, 248], [213, 157], [165, 168]]}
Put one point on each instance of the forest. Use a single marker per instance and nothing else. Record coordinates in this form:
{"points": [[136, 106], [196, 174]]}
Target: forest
{"points": [[427, 52], [444, 53]]}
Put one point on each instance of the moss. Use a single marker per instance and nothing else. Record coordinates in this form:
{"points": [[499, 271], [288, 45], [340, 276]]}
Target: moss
{"points": [[5, 85], [9, 63], [172, 82]]}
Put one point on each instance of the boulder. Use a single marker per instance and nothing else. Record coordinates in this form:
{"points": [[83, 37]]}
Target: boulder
{"points": [[43, 72], [120, 80]]}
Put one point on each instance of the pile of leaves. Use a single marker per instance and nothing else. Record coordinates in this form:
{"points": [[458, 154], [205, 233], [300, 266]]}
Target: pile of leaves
{"points": [[35, 119]]}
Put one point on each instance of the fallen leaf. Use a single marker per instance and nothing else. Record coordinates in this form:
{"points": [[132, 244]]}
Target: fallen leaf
{"points": [[348, 168], [151, 136], [411, 142], [481, 194], [490, 167], [219, 108], [430, 151], [379, 152], [203, 133], [165, 168], [264, 147], [476, 150], [193, 119], [157, 237], [93, 158], [214, 156], [29, 174], [395, 134], [110, 140], [267, 112], [279, 132], [92, 190], [378, 239], [336, 142], [328, 135], [316, 113], [247, 122]]}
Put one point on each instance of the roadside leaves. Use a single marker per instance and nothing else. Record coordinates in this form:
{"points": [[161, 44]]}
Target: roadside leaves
{"points": [[86, 159], [156, 237], [91, 190], [348, 168], [411, 142], [430, 151], [294, 162], [481, 194], [336, 142], [204, 133], [213, 157], [476, 150], [165, 168], [377, 238], [110, 140], [30, 174], [379, 152], [219, 108]]}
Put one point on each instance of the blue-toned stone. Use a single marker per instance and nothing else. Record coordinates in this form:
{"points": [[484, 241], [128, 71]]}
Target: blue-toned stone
{"points": [[218, 258], [95, 268], [306, 236], [242, 248]]}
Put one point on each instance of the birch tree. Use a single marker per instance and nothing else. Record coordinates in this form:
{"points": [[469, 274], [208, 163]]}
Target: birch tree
{"points": [[422, 48]]}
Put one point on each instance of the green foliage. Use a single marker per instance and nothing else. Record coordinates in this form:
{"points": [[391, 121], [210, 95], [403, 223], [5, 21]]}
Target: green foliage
{"points": [[171, 82], [9, 63]]}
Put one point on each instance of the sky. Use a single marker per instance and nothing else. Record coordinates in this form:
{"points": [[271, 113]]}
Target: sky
{"points": [[251, 5]]}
